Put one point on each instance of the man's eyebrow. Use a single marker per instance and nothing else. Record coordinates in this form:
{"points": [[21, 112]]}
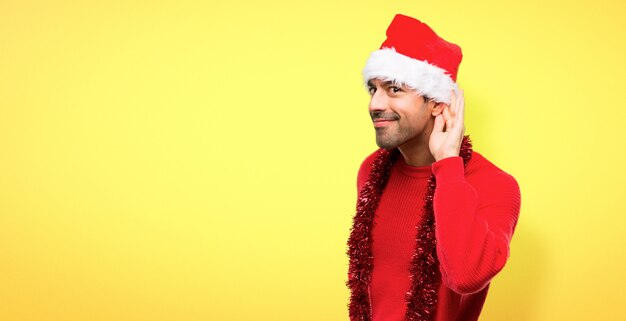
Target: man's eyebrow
{"points": [[387, 83]]}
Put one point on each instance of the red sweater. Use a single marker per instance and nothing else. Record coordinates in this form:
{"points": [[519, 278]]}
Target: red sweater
{"points": [[475, 214]]}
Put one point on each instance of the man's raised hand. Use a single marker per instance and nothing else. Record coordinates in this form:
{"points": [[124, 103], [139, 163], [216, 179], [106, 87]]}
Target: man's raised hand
{"points": [[447, 143]]}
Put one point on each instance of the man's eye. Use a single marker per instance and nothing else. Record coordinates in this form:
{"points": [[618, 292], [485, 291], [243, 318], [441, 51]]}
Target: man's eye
{"points": [[395, 89], [371, 90]]}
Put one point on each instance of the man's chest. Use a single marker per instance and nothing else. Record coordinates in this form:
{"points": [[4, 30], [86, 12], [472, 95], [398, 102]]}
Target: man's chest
{"points": [[399, 213]]}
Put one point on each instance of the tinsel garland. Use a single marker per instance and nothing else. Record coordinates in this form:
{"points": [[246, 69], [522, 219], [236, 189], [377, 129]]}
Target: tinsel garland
{"points": [[425, 276]]}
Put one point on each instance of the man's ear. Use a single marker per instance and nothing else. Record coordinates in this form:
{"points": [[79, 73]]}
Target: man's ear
{"points": [[437, 108]]}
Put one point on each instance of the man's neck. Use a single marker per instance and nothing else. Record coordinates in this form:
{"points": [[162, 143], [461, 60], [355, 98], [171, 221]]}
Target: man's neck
{"points": [[416, 152]]}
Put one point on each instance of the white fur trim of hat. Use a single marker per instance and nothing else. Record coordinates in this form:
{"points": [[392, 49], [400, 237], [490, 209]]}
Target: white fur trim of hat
{"points": [[427, 79]]}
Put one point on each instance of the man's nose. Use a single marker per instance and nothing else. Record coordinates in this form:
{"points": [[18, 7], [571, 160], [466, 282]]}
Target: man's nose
{"points": [[378, 101]]}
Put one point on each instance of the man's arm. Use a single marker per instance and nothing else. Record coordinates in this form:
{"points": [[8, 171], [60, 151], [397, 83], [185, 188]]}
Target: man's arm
{"points": [[473, 234]]}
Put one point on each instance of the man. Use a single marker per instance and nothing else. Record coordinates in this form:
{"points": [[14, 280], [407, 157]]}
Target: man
{"points": [[434, 218]]}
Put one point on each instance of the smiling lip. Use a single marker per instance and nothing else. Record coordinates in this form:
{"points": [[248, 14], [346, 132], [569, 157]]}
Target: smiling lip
{"points": [[382, 122]]}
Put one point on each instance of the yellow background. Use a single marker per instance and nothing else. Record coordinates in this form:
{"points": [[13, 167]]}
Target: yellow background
{"points": [[196, 160]]}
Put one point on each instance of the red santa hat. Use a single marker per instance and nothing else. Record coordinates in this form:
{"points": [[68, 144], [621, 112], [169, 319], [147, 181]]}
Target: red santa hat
{"points": [[414, 55]]}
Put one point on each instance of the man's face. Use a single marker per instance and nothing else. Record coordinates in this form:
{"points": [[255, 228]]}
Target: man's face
{"points": [[399, 113]]}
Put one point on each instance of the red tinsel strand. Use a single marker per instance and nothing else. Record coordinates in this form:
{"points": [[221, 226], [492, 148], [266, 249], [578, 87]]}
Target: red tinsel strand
{"points": [[422, 296], [425, 275], [360, 241]]}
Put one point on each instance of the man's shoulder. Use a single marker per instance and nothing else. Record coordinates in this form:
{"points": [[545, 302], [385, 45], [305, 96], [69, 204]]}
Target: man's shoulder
{"points": [[369, 160], [494, 186], [366, 167], [481, 169]]}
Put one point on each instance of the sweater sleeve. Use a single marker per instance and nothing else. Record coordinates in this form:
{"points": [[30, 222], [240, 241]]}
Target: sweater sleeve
{"points": [[473, 231]]}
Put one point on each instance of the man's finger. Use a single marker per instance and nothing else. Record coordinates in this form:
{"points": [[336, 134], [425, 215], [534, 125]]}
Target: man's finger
{"points": [[461, 111], [461, 100], [449, 125], [461, 107], [438, 127], [453, 102], [446, 113], [457, 101]]}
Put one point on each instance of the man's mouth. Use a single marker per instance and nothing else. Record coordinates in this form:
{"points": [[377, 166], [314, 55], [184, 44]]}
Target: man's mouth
{"points": [[381, 122]]}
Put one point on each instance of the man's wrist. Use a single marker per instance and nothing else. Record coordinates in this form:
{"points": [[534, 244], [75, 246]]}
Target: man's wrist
{"points": [[440, 157], [448, 169]]}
